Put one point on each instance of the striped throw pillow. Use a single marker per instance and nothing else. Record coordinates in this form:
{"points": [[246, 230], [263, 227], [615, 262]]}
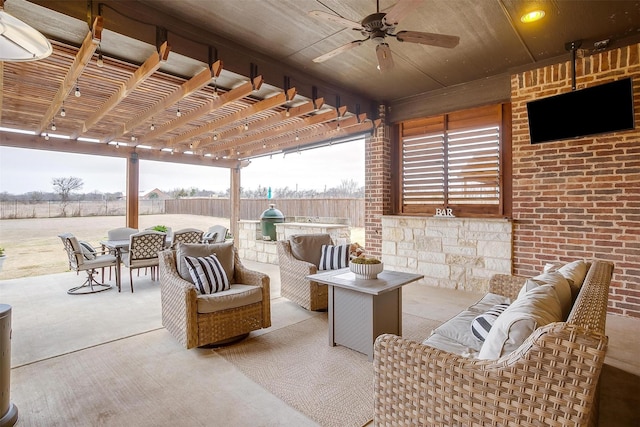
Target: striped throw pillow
{"points": [[481, 325], [334, 257], [207, 274], [88, 251]]}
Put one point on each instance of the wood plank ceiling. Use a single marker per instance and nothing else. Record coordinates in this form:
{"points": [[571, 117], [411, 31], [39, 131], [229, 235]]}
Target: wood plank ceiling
{"points": [[80, 100], [241, 74]]}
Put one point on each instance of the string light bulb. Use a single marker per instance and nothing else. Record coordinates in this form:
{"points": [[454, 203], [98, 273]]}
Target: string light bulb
{"points": [[133, 138], [46, 136], [288, 113], [178, 113], [63, 112], [215, 136], [264, 145], [77, 92], [297, 137], [246, 126], [152, 127], [53, 126], [117, 144], [100, 61]]}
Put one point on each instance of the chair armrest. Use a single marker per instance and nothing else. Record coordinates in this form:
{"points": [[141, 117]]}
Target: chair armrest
{"points": [[550, 380], [179, 302], [242, 274], [506, 285], [291, 266]]}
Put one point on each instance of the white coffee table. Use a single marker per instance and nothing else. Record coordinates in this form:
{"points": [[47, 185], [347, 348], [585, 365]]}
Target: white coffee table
{"points": [[361, 310]]}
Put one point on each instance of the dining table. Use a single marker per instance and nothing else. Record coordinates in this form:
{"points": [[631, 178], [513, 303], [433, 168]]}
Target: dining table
{"points": [[117, 247]]}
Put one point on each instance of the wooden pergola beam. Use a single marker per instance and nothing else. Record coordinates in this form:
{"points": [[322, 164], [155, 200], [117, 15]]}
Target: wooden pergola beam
{"points": [[350, 126], [192, 85], [295, 126], [233, 95], [83, 57], [143, 72], [256, 125], [265, 104]]}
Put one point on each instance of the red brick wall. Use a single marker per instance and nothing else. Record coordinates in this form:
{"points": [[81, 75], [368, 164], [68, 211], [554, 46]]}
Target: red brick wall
{"points": [[579, 198], [377, 198]]}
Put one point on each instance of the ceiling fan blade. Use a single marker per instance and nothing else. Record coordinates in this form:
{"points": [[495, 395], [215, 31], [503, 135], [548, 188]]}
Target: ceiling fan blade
{"points": [[431, 39], [335, 19], [385, 60], [339, 50], [399, 11]]}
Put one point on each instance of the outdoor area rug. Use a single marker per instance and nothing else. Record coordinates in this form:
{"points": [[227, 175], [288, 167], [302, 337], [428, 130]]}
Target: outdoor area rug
{"points": [[331, 385]]}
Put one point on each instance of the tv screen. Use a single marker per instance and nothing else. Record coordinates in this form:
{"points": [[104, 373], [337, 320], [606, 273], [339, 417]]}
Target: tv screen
{"points": [[598, 109]]}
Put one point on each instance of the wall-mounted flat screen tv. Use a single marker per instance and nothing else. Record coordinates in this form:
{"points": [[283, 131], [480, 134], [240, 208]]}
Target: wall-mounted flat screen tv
{"points": [[595, 110]]}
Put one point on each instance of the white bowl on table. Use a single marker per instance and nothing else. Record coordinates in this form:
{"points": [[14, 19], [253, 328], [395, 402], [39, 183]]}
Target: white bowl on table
{"points": [[366, 271]]}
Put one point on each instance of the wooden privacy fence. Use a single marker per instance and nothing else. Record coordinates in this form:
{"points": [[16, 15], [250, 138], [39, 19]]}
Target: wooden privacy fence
{"points": [[352, 209]]}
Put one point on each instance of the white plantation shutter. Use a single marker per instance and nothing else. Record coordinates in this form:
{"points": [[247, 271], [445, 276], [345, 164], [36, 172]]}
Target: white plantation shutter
{"points": [[453, 161]]}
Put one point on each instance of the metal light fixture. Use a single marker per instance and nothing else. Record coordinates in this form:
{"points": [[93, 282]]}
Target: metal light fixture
{"points": [[533, 16], [19, 41]]}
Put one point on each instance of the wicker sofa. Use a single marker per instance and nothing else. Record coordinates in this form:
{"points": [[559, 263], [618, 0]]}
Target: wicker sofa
{"points": [[181, 314], [550, 380]]}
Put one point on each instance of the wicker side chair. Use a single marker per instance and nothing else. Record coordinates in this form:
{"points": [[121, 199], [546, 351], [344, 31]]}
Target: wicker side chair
{"points": [[296, 264], [143, 252], [186, 235], [183, 309]]}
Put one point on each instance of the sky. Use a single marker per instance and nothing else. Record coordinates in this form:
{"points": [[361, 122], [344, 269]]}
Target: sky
{"points": [[23, 170]]}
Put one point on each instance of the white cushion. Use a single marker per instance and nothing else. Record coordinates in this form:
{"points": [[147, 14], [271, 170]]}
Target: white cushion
{"points": [[235, 296], [458, 328], [447, 344], [538, 307], [87, 250], [207, 274], [488, 301], [559, 282], [575, 273], [334, 257]]}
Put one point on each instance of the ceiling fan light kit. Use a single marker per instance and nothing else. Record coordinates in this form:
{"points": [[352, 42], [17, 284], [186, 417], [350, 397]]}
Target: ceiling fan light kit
{"points": [[377, 26], [19, 41]]}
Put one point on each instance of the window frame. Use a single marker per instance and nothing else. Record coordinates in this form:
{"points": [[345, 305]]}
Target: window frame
{"points": [[490, 115]]}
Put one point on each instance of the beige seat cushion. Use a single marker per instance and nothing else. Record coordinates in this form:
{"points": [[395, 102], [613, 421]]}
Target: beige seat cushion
{"points": [[559, 282], [236, 296], [223, 251], [538, 307], [308, 247]]}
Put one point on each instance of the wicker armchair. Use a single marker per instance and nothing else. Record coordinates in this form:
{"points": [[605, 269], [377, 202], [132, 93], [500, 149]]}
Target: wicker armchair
{"points": [[550, 380], [293, 270], [179, 299]]}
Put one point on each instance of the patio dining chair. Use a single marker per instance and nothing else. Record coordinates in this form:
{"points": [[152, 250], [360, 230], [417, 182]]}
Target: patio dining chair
{"points": [[186, 235], [143, 252], [121, 233], [83, 257], [215, 234]]}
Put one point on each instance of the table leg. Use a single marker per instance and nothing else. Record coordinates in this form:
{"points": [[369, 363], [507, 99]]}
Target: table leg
{"points": [[118, 263], [331, 317]]}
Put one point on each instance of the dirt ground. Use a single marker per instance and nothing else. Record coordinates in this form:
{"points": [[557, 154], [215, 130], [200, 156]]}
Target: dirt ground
{"points": [[33, 247]]}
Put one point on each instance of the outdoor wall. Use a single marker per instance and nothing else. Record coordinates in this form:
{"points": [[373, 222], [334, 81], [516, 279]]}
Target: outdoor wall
{"points": [[579, 198], [377, 183], [252, 247], [455, 253]]}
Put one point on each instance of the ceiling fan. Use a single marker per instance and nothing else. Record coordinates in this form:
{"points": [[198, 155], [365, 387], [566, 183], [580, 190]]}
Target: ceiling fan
{"points": [[380, 25]]}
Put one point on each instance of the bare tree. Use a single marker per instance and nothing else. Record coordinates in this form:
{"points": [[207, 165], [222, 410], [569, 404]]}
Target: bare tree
{"points": [[63, 187]]}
